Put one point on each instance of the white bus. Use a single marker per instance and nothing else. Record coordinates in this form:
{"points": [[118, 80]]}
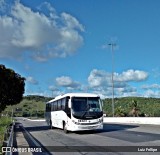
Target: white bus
{"points": [[75, 112]]}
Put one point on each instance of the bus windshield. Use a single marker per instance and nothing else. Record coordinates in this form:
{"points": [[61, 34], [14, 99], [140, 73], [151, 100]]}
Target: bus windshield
{"points": [[83, 104]]}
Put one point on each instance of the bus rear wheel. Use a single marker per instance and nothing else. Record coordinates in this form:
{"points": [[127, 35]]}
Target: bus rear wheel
{"points": [[65, 128]]}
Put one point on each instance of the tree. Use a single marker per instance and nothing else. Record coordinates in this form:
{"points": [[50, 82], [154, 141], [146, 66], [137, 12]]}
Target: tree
{"points": [[11, 87], [134, 111], [119, 112]]}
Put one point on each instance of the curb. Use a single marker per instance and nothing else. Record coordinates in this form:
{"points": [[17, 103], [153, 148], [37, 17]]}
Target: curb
{"points": [[133, 120]]}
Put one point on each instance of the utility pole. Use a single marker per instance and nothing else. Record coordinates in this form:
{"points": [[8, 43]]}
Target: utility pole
{"points": [[112, 52]]}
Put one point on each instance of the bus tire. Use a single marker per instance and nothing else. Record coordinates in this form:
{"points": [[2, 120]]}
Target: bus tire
{"points": [[65, 128]]}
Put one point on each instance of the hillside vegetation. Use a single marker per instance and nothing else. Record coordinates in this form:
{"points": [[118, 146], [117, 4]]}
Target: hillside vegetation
{"points": [[30, 106], [34, 106], [133, 106]]}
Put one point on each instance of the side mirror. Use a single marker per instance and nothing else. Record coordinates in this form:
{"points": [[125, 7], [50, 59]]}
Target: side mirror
{"points": [[101, 103]]}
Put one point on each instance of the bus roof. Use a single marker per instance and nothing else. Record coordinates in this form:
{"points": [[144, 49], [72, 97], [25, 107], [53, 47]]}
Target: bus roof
{"points": [[74, 95]]}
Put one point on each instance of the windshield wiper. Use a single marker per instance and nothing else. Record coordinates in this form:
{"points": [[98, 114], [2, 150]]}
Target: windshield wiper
{"points": [[86, 111]]}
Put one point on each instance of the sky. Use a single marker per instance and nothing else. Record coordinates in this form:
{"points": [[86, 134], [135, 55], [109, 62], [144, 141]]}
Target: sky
{"points": [[63, 46]]}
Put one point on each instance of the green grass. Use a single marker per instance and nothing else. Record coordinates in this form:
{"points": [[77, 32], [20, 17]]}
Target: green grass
{"points": [[4, 122]]}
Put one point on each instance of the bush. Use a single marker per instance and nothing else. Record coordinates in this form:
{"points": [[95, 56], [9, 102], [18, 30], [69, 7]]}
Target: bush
{"points": [[4, 123]]}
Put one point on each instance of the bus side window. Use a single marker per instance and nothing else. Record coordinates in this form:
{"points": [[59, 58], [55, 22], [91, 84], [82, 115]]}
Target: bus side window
{"points": [[52, 106], [55, 105], [63, 104], [59, 105]]}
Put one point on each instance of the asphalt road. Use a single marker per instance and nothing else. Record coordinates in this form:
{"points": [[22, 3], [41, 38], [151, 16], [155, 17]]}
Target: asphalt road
{"points": [[116, 139]]}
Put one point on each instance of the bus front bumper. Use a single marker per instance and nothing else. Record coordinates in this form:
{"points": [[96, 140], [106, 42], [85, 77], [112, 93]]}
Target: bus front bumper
{"points": [[85, 127]]}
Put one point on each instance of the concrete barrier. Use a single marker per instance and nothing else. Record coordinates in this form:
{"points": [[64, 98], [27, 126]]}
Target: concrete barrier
{"points": [[133, 120], [39, 120]]}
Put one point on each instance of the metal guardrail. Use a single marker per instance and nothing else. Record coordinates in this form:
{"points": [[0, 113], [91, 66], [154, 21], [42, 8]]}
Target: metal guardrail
{"points": [[8, 140]]}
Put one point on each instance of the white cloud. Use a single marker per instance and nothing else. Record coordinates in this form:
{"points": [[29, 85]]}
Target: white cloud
{"points": [[156, 72], [45, 6], [31, 80], [71, 22], [53, 88], [98, 78], [131, 75], [55, 91], [101, 83], [67, 82], [152, 86], [151, 93], [39, 93], [43, 36]]}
